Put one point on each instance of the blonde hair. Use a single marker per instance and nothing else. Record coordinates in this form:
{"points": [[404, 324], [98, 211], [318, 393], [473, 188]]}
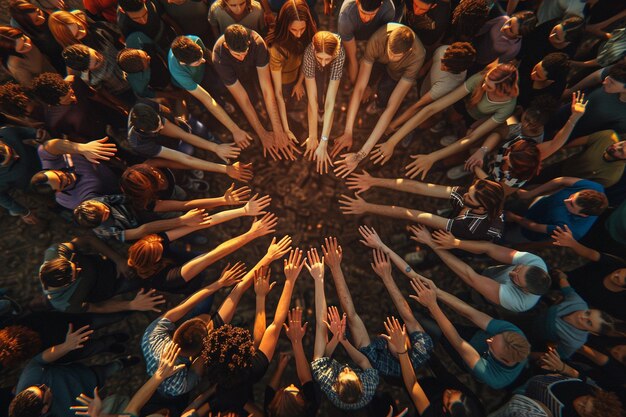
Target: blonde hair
{"points": [[59, 23], [504, 76], [326, 42]]}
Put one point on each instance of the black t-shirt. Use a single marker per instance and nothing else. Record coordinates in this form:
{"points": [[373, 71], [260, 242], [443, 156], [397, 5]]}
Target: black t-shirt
{"points": [[537, 45], [431, 26], [231, 69], [603, 10], [309, 391], [234, 398], [587, 281], [527, 93], [51, 326]]}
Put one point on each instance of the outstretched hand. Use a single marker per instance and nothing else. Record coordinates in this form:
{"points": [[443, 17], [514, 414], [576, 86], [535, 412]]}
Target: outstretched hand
{"points": [[232, 275], [314, 264], [336, 323], [256, 206], [332, 252], [167, 362], [91, 407], [293, 265], [233, 197], [76, 339], [381, 264], [295, 330], [396, 335], [276, 250], [262, 285], [370, 238], [425, 293], [360, 182], [265, 225]]}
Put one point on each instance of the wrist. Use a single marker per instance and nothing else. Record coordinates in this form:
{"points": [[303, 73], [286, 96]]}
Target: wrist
{"points": [[406, 351], [484, 149]]}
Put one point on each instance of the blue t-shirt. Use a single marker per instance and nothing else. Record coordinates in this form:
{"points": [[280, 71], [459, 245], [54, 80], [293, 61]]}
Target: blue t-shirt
{"points": [[185, 76], [551, 211], [488, 369]]}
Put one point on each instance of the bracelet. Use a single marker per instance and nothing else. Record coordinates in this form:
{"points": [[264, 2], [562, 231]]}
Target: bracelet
{"points": [[562, 369], [484, 149], [360, 155], [402, 353], [324, 138]]}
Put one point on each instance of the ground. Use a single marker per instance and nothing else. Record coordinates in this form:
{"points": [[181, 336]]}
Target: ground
{"points": [[307, 206]]}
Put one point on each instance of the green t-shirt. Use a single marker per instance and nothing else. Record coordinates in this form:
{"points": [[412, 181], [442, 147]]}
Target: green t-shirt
{"points": [[589, 163], [499, 111], [616, 224]]}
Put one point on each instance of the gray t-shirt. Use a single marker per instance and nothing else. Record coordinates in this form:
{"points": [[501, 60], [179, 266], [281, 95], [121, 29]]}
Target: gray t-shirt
{"points": [[351, 26], [439, 82], [512, 297], [553, 9]]}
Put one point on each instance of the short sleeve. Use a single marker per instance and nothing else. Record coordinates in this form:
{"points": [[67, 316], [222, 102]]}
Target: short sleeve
{"points": [[504, 111], [336, 69], [472, 82], [277, 59], [308, 62], [179, 75], [261, 58], [496, 326], [514, 299], [529, 259], [345, 25], [373, 50]]}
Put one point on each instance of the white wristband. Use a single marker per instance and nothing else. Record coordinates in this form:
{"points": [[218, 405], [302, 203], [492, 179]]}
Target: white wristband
{"points": [[324, 138]]}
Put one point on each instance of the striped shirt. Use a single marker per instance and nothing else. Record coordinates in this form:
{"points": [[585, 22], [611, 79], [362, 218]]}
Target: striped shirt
{"points": [[471, 226]]}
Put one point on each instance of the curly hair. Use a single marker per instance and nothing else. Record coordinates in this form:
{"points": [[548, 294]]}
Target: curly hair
{"points": [[50, 87], [228, 353], [77, 57], [190, 336], [186, 50], [541, 109], [26, 404], [14, 99], [557, 65], [468, 17], [606, 404], [131, 60], [459, 57], [18, 343]]}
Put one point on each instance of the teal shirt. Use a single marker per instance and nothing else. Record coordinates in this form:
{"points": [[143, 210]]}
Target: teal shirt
{"points": [[17, 175], [184, 76], [488, 369]]}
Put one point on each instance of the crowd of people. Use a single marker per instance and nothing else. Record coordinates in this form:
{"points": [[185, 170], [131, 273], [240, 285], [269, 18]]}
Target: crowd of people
{"points": [[113, 109]]}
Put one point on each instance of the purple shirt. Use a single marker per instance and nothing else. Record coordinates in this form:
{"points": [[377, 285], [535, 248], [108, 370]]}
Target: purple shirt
{"points": [[492, 44]]}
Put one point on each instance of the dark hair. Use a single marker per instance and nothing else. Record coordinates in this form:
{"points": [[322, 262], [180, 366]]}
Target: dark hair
{"points": [[618, 72], [142, 184], [130, 60], [280, 36], [459, 57], [490, 195], [541, 109], [467, 19], [77, 57], [26, 404], [524, 158], [56, 272], [401, 40], [593, 202], [468, 406], [574, 27], [527, 21], [20, 9], [14, 99], [144, 117], [131, 5], [228, 353], [50, 87], [606, 404], [190, 336], [557, 65], [186, 50], [39, 183], [370, 5], [88, 214], [285, 404], [349, 391], [538, 281], [237, 38], [18, 343], [8, 37]]}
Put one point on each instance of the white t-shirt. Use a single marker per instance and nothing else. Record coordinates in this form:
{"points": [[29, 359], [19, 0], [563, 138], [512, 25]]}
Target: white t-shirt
{"points": [[511, 297], [439, 82]]}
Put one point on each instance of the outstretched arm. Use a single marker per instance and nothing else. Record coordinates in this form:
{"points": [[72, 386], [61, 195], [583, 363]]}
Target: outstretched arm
{"points": [[295, 332], [73, 340], [315, 266], [364, 181]]}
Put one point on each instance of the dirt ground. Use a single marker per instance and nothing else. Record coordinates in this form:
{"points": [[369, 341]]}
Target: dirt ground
{"points": [[307, 206]]}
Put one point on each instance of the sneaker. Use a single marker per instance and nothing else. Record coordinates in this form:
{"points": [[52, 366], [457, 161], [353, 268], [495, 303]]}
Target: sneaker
{"points": [[439, 127], [372, 109], [415, 258], [448, 140], [457, 172], [408, 139]]}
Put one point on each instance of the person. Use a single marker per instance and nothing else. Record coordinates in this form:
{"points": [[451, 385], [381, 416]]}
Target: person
{"points": [[186, 61], [72, 177], [291, 400], [34, 23], [286, 43], [601, 282], [492, 97], [102, 10], [476, 210], [241, 60], [100, 72], [561, 201], [322, 65], [448, 70], [147, 123], [189, 335], [395, 47], [516, 286], [161, 267], [234, 359], [495, 355], [20, 56], [552, 9], [501, 37], [547, 77], [346, 388], [73, 108], [69, 28], [146, 16], [75, 281], [429, 19], [247, 13], [358, 20], [48, 387], [567, 325], [432, 394]]}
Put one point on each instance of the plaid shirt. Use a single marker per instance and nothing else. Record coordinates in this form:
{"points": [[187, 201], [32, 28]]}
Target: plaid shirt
{"points": [[388, 365], [154, 341], [310, 64], [325, 372]]}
